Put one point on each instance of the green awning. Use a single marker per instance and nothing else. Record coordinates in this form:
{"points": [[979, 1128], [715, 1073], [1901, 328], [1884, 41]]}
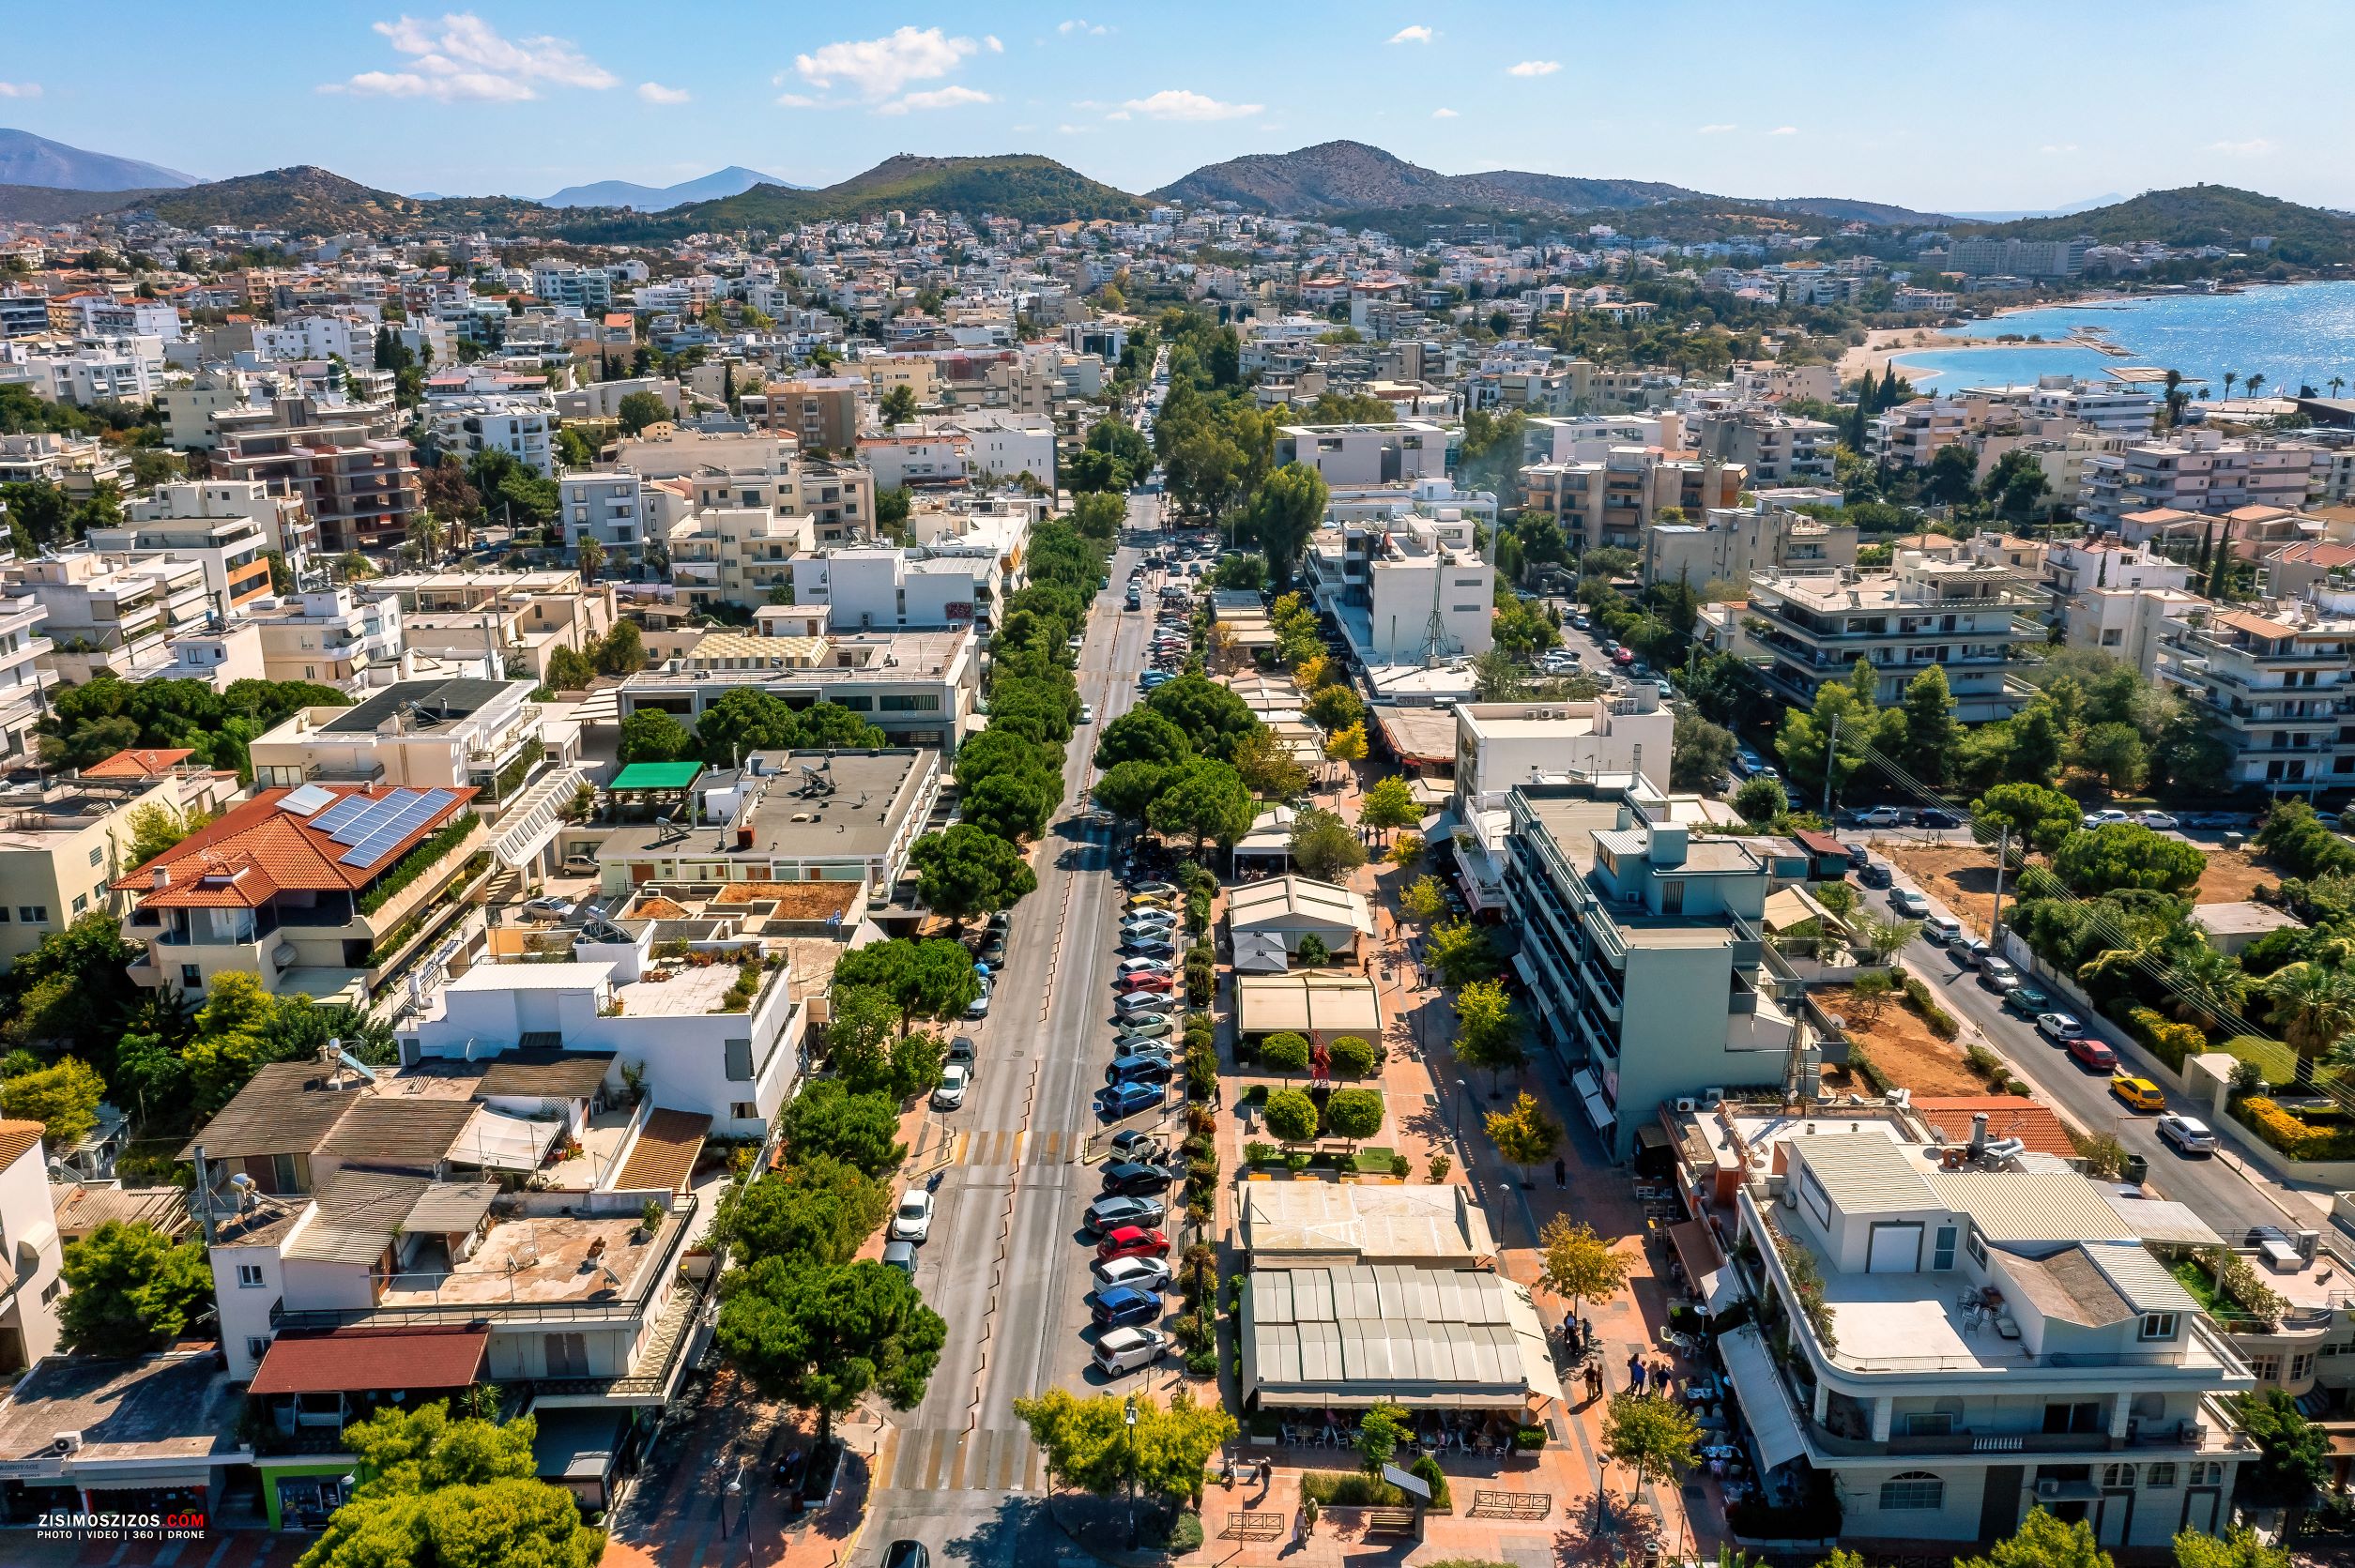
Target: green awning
{"points": [[656, 775]]}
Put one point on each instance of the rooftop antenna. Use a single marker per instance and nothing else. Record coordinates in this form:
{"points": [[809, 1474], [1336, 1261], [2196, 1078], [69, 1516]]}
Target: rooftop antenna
{"points": [[1435, 638]]}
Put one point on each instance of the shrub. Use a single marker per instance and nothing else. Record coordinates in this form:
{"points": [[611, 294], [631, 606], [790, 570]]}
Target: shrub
{"points": [[1352, 1056], [1349, 1489], [2165, 1039], [1426, 1469], [1983, 1061], [1941, 1022], [1399, 1166], [1285, 1053], [2293, 1134], [1257, 1153], [1528, 1439]]}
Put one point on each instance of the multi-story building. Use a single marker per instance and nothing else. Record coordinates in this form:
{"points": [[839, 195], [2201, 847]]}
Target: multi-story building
{"points": [[1368, 454], [2196, 471], [23, 314], [756, 471], [485, 737], [1612, 500], [63, 842], [2110, 408], [189, 406], [884, 589], [23, 649], [1002, 444], [1729, 545], [732, 555], [2017, 258], [1774, 449], [587, 289], [314, 335], [1962, 616], [1501, 744], [1407, 589], [341, 636], [358, 480], [2275, 688], [918, 687], [111, 613], [819, 412], [1973, 1343], [521, 425], [2128, 623], [913, 457], [1911, 434], [225, 526], [1641, 950], [28, 1234], [617, 509]]}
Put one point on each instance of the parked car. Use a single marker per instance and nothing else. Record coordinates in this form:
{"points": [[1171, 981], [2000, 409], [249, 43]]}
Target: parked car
{"points": [[993, 951], [1146, 983], [2139, 1093], [1150, 900], [1136, 1176], [1147, 946], [2106, 818], [955, 1077], [1874, 874], [1136, 1143], [907, 1554], [2160, 821], [1745, 760], [1859, 856], [553, 907], [1140, 922], [1133, 1241], [1933, 817], [1123, 1212], [1143, 1273], [2058, 1027], [1115, 1101], [2088, 1052], [979, 1006], [2189, 1134], [1141, 965], [900, 1255], [1140, 1069], [1908, 904], [964, 1049], [1145, 999], [1163, 889], [1151, 1026], [1124, 1351], [2026, 1001], [1972, 952], [1625, 656], [1941, 930], [912, 1220], [1881, 816], [1123, 1306], [1997, 975]]}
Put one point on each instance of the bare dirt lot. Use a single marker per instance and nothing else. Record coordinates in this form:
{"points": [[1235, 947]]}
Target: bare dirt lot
{"points": [[1962, 878], [1900, 1045]]}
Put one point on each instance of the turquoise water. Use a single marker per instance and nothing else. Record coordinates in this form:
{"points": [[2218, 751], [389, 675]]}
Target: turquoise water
{"points": [[2300, 333]]}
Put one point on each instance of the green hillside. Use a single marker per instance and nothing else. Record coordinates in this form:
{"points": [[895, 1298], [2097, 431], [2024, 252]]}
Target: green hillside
{"points": [[2198, 215], [1023, 186], [307, 200]]}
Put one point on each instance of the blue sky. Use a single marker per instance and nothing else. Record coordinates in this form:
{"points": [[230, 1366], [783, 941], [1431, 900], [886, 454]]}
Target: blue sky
{"points": [[1967, 106]]}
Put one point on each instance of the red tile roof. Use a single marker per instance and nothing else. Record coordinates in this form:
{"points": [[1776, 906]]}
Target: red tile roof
{"points": [[352, 1361], [2008, 1117], [256, 850], [143, 763]]}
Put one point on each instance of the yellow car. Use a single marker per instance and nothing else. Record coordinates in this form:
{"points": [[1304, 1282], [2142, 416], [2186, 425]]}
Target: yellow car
{"points": [[1151, 901], [2141, 1093]]}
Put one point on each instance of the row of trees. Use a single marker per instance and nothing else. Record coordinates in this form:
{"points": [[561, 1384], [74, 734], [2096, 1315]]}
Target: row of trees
{"points": [[91, 722], [745, 720]]}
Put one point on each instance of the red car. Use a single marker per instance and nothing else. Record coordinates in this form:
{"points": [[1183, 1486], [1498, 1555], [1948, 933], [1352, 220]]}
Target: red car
{"points": [[1131, 1242], [1144, 980], [2092, 1053]]}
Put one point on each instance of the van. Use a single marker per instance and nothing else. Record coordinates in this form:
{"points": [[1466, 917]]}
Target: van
{"points": [[1941, 930]]}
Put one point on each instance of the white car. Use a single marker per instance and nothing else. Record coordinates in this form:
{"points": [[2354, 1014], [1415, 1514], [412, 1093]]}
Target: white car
{"points": [[1121, 1350], [1881, 816], [554, 908], [1144, 1273], [1144, 967], [912, 1220], [2189, 1134], [1087, 713], [950, 1092], [2108, 817], [979, 1006], [2160, 821]]}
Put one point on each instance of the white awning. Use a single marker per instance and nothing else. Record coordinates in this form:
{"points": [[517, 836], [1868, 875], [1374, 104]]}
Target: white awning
{"points": [[1773, 1424], [1721, 1287], [1528, 974], [1590, 1094], [494, 1141]]}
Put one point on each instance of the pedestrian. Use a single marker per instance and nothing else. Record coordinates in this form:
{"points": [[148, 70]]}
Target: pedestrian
{"points": [[1635, 1371], [1561, 1175]]}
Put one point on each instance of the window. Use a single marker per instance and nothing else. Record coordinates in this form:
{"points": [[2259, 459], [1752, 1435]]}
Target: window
{"points": [[249, 1275], [1818, 1201], [2267, 1368], [1928, 1423], [1942, 1253], [1977, 1248], [928, 702], [2208, 1472], [1915, 1489], [2118, 1477], [51, 1292], [2159, 1477], [2300, 1367], [2158, 1325], [256, 1345], [33, 914], [743, 1110], [81, 902], [1672, 896], [192, 978], [97, 854], [567, 1354]]}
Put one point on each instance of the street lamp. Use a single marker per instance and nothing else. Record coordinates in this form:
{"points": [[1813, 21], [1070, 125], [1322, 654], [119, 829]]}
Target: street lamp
{"points": [[1128, 1420], [1463, 1103], [735, 1489]]}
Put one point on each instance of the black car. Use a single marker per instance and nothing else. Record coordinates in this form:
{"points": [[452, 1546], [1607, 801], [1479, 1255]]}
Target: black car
{"points": [[907, 1554], [1932, 817], [1858, 856], [1137, 1177], [1140, 1069], [963, 1048], [1873, 875]]}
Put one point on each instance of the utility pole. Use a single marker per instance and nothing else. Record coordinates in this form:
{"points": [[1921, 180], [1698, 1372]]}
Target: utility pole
{"points": [[2003, 862], [1831, 756]]}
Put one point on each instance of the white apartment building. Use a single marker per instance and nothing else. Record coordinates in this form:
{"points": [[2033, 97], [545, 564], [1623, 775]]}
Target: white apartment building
{"points": [[189, 406], [918, 457], [1961, 615], [424, 734], [226, 525], [2196, 471], [1730, 544], [2110, 408], [1909, 435], [1407, 590], [28, 1238], [582, 288], [343, 636], [755, 471], [1350, 455], [522, 425], [319, 335], [2274, 687], [619, 509], [881, 588], [1502, 744], [1776, 448], [1002, 445], [110, 613], [23, 649], [116, 370], [602, 400], [918, 687], [1982, 1342]]}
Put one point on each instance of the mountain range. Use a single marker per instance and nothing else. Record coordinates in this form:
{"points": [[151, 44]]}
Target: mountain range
{"points": [[730, 181], [35, 161]]}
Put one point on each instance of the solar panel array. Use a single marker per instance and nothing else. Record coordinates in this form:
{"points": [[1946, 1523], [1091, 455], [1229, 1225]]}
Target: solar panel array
{"points": [[341, 813], [372, 831], [307, 799]]}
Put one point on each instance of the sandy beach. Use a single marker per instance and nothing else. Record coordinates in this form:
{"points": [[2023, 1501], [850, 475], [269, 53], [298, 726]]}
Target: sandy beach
{"points": [[1885, 344]]}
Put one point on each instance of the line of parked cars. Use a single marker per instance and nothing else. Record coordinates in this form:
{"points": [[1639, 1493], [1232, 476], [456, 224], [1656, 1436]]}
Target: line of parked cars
{"points": [[1123, 1223]]}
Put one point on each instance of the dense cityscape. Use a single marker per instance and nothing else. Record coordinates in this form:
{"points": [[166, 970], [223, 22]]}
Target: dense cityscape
{"points": [[1330, 863]]}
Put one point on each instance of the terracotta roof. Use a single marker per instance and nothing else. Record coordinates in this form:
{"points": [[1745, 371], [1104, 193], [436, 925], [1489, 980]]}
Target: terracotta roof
{"points": [[1819, 844], [15, 1138], [353, 1361], [254, 850], [664, 1153], [138, 764], [2008, 1117]]}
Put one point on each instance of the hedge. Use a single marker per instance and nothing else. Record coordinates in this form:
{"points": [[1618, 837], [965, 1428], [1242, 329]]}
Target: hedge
{"points": [[2162, 1037], [417, 862], [1941, 1022], [2293, 1134]]}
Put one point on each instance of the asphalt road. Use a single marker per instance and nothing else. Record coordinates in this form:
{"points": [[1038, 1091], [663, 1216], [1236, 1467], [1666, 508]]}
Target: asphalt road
{"points": [[2213, 1187], [1005, 1264]]}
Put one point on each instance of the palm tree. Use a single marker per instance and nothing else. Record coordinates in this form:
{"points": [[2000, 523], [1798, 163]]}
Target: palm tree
{"points": [[2212, 986], [2139, 949], [2313, 1006], [2230, 376], [2335, 383], [2252, 381]]}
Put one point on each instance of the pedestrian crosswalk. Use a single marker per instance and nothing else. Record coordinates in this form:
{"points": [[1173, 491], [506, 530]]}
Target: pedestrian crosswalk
{"points": [[1016, 1147], [944, 1459]]}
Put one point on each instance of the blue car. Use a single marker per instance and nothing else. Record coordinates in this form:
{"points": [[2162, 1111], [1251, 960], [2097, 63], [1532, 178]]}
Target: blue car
{"points": [[1137, 1070], [1123, 1306], [1115, 1101], [1148, 947]]}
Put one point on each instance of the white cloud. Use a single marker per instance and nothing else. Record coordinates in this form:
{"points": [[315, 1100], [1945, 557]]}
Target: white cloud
{"points": [[1117, 114], [1533, 67], [1073, 129], [654, 92], [1416, 34], [1443, 113], [1077, 24], [20, 89], [877, 69], [2254, 147], [1718, 129], [989, 42], [1178, 103], [1784, 130], [462, 57], [938, 98], [798, 100], [2051, 148]]}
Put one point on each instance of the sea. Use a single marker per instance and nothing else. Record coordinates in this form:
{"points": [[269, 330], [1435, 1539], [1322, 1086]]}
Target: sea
{"points": [[2293, 334]]}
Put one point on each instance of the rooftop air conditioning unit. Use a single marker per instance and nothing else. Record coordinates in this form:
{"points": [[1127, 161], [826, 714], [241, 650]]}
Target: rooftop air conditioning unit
{"points": [[1712, 1098], [1686, 1102]]}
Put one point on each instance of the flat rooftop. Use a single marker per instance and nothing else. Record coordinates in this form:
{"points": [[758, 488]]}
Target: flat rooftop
{"points": [[160, 1408], [871, 796], [542, 1258]]}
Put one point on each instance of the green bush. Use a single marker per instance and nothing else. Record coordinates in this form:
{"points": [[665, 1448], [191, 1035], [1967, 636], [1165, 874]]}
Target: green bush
{"points": [[1257, 1153], [1352, 1056], [1426, 1469], [2301, 1137], [1918, 998], [2297, 838], [1528, 1439], [417, 862], [1349, 1489], [2162, 1036]]}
